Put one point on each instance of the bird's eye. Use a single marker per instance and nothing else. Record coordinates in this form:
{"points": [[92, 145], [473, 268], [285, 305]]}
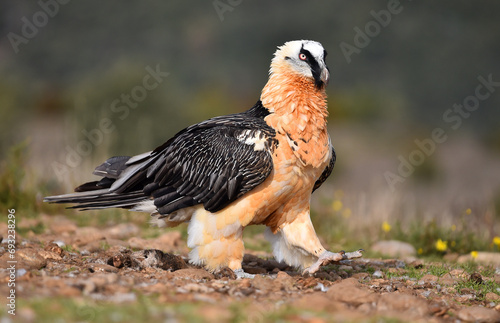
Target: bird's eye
{"points": [[302, 56]]}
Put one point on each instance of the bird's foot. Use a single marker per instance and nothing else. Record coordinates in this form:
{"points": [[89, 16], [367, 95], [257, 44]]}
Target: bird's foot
{"points": [[328, 257], [240, 274]]}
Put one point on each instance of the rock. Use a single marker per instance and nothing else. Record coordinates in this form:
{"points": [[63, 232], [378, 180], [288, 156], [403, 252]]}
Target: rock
{"points": [[478, 314], [429, 279], [458, 273], [93, 246], [49, 255], [192, 273], [138, 243], [402, 305], [87, 235], [447, 280], [284, 281], [361, 276], [349, 291], [417, 264], [262, 283], [492, 297], [394, 248], [55, 248], [170, 239], [166, 242], [101, 268], [117, 244], [159, 259], [195, 288], [103, 279], [318, 301], [30, 259], [62, 226], [489, 258], [122, 231]]}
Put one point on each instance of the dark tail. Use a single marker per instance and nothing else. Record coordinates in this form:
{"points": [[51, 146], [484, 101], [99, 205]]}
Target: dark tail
{"points": [[105, 193]]}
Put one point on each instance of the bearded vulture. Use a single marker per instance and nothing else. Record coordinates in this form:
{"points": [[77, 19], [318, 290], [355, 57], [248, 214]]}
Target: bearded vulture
{"points": [[220, 175]]}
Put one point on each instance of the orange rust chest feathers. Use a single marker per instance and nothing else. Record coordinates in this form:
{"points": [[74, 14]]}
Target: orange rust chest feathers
{"points": [[298, 114]]}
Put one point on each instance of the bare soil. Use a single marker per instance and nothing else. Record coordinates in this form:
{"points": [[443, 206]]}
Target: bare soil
{"points": [[116, 266]]}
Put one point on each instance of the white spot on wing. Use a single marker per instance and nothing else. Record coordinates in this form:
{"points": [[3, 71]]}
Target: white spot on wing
{"points": [[256, 138]]}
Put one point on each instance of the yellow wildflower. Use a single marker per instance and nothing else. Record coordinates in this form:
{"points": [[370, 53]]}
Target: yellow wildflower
{"points": [[337, 205], [453, 244], [420, 251], [441, 245], [473, 254], [386, 226], [468, 211], [453, 227], [496, 240]]}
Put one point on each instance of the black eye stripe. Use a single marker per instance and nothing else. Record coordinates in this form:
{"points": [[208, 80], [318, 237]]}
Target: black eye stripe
{"points": [[314, 65], [310, 58]]}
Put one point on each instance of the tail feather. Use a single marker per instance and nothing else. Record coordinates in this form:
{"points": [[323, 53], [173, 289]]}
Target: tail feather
{"points": [[102, 200], [105, 193]]}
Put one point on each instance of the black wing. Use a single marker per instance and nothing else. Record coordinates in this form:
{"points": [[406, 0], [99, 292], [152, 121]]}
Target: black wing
{"points": [[210, 163], [326, 173]]}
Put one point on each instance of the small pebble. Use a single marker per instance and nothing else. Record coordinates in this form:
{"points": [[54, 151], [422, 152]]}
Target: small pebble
{"points": [[321, 287], [60, 243], [21, 272]]}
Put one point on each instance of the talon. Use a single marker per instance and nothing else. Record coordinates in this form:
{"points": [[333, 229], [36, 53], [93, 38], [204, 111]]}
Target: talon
{"points": [[328, 257]]}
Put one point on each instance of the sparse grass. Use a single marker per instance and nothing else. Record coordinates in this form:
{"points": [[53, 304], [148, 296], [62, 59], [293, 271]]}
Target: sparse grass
{"points": [[146, 308], [480, 288], [69, 248], [411, 272], [437, 270]]}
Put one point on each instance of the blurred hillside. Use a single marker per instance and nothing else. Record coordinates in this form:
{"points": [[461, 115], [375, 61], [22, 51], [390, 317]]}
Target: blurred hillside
{"points": [[76, 72]]}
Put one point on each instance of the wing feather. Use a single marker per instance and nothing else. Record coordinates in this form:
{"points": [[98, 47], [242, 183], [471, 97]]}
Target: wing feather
{"points": [[211, 163]]}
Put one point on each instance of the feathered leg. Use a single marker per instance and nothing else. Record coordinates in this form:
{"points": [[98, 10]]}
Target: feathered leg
{"points": [[297, 244], [215, 245]]}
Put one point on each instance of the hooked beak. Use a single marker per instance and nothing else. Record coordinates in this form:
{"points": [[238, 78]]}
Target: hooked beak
{"points": [[325, 75], [321, 75]]}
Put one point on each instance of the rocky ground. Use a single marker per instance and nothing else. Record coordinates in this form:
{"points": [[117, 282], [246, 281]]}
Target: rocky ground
{"points": [[80, 274]]}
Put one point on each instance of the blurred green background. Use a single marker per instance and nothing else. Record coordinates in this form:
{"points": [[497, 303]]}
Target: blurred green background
{"points": [[62, 75]]}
